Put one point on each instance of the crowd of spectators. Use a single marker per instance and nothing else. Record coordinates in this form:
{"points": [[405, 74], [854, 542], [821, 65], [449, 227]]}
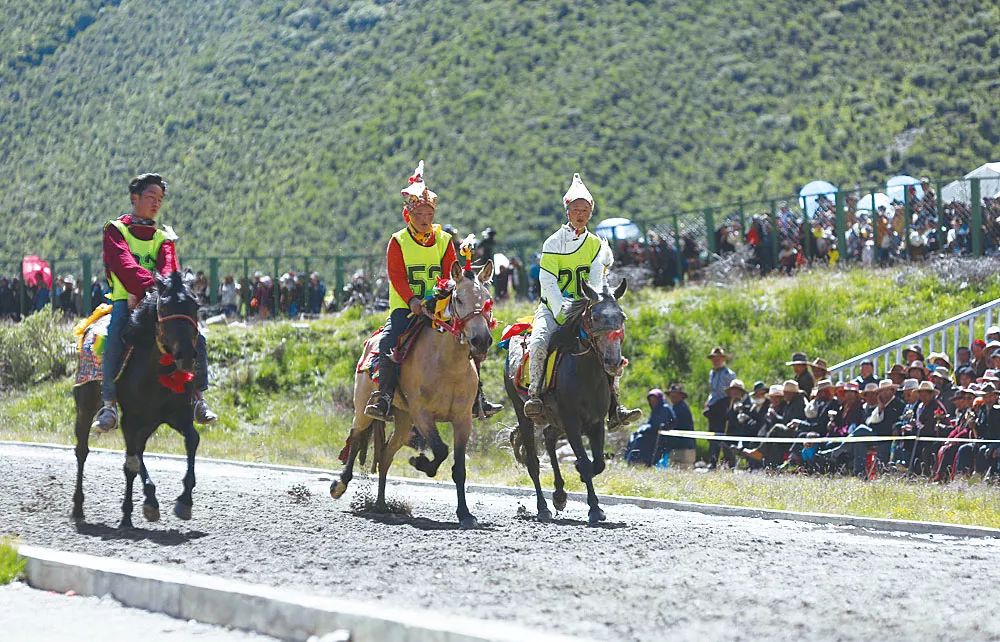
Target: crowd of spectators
{"points": [[879, 236], [18, 300], [934, 396]]}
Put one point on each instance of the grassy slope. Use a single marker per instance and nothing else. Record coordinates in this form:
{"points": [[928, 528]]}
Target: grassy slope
{"points": [[275, 119], [284, 391]]}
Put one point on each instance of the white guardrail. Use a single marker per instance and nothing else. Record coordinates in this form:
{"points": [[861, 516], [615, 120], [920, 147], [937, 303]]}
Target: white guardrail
{"points": [[946, 336]]}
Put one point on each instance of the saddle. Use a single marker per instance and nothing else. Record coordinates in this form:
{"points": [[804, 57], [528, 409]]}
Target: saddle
{"points": [[515, 340], [91, 334], [370, 353]]}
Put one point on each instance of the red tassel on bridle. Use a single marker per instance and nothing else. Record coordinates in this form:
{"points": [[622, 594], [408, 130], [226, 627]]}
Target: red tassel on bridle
{"points": [[177, 380]]}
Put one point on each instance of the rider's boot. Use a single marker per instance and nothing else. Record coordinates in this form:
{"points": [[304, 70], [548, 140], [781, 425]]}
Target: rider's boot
{"points": [[380, 403], [618, 415], [533, 407], [482, 407], [106, 419], [202, 413]]}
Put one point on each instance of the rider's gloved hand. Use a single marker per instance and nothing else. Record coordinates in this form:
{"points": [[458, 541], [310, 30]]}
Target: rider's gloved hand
{"points": [[416, 306]]}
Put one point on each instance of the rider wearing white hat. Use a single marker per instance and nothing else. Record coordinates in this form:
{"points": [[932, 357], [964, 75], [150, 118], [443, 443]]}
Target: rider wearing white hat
{"points": [[570, 255]]}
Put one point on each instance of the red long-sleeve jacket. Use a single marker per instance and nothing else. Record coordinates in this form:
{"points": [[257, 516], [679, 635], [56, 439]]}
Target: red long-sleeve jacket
{"points": [[118, 257], [397, 267]]}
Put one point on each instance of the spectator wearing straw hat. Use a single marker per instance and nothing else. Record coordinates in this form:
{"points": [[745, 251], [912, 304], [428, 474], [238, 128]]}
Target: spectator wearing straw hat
{"points": [[818, 413], [819, 369], [736, 417], [964, 421], [842, 423], [941, 378], [916, 370], [681, 449], [795, 402], [992, 333], [880, 420], [896, 374], [913, 353], [800, 365], [931, 420], [717, 404]]}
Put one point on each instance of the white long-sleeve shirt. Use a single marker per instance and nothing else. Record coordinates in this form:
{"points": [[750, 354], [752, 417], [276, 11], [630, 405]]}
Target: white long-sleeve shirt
{"points": [[558, 249]]}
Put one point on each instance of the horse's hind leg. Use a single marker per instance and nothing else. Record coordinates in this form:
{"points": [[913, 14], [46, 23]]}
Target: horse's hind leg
{"points": [[430, 466], [131, 469], [150, 507], [88, 401], [531, 461], [385, 456], [356, 443], [463, 429], [559, 494], [182, 506]]}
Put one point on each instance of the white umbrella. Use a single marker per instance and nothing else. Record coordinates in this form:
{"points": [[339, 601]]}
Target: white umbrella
{"points": [[896, 186], [618, 229], [874, 201], [810, 193]]}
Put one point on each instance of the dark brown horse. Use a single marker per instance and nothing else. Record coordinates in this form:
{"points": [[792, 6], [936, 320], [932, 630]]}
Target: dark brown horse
{"points": [[163, 328], [578, 406]]}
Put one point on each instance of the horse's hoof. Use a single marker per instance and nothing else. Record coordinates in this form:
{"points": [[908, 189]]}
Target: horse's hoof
{"points": [[338, 489], [545, 515], [151, 512], [125, 524], [559, 500], [597, 516], [182, 511], [467, 523], [76, 514]]}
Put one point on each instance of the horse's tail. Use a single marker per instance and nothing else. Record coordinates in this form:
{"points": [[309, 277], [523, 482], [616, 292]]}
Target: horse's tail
{"points": [[362, 446]]}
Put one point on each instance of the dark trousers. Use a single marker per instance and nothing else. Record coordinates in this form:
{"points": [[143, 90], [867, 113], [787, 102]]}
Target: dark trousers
{"points": [[397, 323], [774, 453], [716, 415], [860, 451]]}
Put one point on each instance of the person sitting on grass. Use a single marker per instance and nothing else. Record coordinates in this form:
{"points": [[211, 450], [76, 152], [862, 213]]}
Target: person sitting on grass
{"points": [[681, 449], [646, 446]]}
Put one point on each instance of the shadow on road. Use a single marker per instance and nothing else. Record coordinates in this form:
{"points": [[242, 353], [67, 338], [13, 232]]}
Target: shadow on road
{"points": [[420, 523], [566, 521], [172, 537]]}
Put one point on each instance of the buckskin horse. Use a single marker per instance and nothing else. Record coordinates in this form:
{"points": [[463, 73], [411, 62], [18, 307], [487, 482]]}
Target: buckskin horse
{"points": [[438, 382], [154, 387], [578, 405]]}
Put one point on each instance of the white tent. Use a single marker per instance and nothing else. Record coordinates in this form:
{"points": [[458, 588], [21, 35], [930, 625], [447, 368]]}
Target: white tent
{"points": [[896, 186], [618, 229], [873, 201], [810, 193], [989, 184]]}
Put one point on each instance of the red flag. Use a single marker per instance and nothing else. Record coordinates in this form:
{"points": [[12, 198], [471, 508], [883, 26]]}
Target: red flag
{"points": [[31, 266]]}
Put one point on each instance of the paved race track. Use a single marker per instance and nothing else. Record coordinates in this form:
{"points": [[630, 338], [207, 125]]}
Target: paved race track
{"points": [[648, 574]]}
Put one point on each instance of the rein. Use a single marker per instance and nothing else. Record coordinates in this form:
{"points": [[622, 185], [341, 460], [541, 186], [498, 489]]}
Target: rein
{"points": [[457, 326], [175, 379]]}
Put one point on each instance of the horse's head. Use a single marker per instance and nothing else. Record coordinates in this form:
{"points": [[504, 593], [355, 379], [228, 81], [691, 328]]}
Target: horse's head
{"points": [[176, 320], [604, 323], [471, 306]]}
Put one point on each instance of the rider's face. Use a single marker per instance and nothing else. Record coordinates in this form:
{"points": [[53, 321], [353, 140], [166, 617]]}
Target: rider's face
{"points": [[422, 218], [147, 204], [579, 214]]}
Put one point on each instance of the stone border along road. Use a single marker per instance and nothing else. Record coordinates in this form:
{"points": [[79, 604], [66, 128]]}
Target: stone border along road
{"points": [[646, 574]]}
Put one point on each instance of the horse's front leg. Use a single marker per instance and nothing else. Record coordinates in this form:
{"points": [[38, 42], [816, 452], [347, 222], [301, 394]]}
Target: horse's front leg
{"points": [[88, 400], [559, 492], [586, 469], [596, 434], [131, 469], [150, 507], [438, 448], [463, 429], [182, 506]]}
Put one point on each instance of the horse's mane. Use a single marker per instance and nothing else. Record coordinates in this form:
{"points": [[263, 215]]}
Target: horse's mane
{"points": [[567, 336], [142, 323]]}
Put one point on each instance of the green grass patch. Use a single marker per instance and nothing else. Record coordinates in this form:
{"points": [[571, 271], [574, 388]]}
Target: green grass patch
{"points": [[11, 564]]}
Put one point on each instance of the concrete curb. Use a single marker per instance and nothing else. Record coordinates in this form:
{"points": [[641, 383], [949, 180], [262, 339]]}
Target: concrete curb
{"points": [[720, 510], [280, 613]]}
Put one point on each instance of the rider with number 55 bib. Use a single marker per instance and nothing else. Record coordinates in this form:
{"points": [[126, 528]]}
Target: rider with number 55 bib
{"points": [[569, 257], [417, 256]]}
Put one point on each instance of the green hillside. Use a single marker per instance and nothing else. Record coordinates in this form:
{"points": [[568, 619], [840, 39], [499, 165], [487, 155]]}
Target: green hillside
{"points": [[289, 127]]}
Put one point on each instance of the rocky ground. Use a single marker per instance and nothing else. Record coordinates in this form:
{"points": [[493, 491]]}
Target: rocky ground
{"points": [[643, 575]]}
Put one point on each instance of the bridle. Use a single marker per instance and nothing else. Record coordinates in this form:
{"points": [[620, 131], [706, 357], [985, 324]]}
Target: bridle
{"points": [[456, 327], [591, 335], [161, 319]]}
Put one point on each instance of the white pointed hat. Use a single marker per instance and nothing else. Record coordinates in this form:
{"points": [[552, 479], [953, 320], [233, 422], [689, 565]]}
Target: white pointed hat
{"points": [[577, 190], [416, 192]]}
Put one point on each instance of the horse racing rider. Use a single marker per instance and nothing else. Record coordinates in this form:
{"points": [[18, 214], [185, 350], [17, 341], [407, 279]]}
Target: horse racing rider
{"points": [[569, 256], [134, 249], [417, 256]]}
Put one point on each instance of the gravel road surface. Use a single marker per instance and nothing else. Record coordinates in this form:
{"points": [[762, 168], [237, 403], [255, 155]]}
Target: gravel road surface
{"points": [[29, 615], [645, 575]]}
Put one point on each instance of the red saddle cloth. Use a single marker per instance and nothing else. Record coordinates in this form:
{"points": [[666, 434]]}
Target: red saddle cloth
{"points": [[369, 354]]}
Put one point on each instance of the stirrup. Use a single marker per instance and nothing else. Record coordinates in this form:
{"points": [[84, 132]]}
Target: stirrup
{"points": [[533, 407], [203, 414], [99, 426], [379, 407], [622, 417]]}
